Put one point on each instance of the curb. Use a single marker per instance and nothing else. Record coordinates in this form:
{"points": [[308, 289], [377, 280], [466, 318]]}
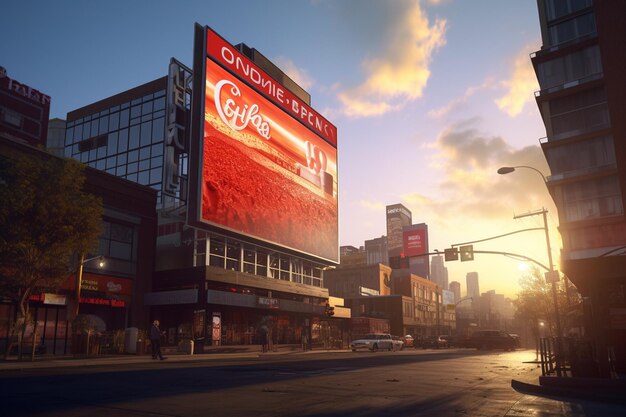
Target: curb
{"points": [[576, 393]]}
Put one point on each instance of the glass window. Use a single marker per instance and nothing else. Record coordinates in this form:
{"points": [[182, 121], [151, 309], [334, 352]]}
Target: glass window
{"points": [[111, 162], [144, 177], [146, 108], [69, 136], [92, 155], [146, 133], [125, 105], [157, 149], [78, 133], [132, 177], [104, 125], [114, 121], [86, 130], [120, 171], [155, 175], [121, 159], [147, 98], [592, 153], [133, 156], [158, 130], [143, 165], [135, 111], [114, 109], [572, 29], [135, 101], [101, 164], [122, 141], [94, 127], [159, 93], [156, 162], [144, 153], [101, 152], [579, 65], [157, 114], [112, 143], [124, 118], [121, 250], [591, 199], [133, 139], [132, 168], [159, 104], [558, 8]]}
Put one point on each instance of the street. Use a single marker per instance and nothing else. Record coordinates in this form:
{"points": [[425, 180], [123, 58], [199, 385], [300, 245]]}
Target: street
{"points": [[445, 382]]}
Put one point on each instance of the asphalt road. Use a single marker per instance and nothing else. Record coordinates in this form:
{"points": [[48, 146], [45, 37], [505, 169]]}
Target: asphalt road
{"points": [[409, 383]]}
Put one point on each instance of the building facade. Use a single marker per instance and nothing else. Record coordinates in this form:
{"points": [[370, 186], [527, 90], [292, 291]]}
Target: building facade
{"points": [[24, 111], [215, 283], [111, 296], [455, 287], [438, 272], [582, 100]]}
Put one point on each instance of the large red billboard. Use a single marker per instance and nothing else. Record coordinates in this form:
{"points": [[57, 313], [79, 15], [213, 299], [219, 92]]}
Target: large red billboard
{"points": [[415, 242], [263, 172]]}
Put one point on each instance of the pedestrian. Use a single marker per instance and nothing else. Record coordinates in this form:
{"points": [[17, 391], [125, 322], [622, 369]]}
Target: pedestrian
{"points": [[155, 340]]}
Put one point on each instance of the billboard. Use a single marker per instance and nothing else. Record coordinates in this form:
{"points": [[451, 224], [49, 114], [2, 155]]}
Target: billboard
{"points": [[262, 170], [415, 242]]}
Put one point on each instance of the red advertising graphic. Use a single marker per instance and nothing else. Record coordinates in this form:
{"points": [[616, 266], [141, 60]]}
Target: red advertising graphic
{"points": [[225, 54], [264, 174], [415, 242]]}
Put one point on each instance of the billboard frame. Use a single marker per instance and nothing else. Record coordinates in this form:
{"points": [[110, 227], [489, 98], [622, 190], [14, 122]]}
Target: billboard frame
{"points": [[196, 150]]}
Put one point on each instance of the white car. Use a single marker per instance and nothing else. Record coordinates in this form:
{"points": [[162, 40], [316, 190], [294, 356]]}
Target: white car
{"points": [[398, 342], [373, 342]]}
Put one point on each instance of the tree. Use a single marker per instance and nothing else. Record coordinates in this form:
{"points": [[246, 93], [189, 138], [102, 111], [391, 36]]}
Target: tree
{"points": [[45, 219], [535, 304]]}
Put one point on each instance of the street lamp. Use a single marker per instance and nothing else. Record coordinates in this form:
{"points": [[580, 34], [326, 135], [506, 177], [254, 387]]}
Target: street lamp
{"points": [[508, 170], [79, 277]]}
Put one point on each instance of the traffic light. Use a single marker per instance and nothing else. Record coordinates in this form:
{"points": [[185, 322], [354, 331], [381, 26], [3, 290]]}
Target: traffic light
{"points": [[467, 253], [330, 310], [451, 254]]}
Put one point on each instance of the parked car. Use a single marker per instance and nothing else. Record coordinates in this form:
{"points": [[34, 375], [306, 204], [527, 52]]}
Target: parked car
{"points": [[435, 342], [398, 342], [373, 342], [409, 341], [492, 339]]}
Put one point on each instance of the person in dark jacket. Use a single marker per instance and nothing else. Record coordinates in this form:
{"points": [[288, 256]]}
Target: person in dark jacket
{"points": [[155, 340]]}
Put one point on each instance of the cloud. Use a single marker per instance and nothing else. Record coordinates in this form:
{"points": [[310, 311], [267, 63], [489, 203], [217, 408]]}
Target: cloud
{"points": [[459, 101], [520, 86], [376, 206], [469, 186], [400, 74], [299, 75]]}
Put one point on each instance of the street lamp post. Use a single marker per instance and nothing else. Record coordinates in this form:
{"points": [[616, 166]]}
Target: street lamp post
{"points": [[79, 277], [557, 318]]}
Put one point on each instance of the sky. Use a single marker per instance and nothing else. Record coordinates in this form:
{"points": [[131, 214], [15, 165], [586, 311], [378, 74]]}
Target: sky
{"points": [[429, 97]]}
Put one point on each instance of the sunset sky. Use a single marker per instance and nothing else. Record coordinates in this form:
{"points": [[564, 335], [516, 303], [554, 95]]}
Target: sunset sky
{"points": [[429, 98]]}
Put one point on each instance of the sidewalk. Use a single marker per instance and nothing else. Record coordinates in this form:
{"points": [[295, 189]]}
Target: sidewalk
{"points": [[216, 353]]}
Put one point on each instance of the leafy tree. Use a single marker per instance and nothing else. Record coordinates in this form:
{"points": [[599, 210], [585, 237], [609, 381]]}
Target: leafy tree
{"points": [[535, 303], [45, 219]]}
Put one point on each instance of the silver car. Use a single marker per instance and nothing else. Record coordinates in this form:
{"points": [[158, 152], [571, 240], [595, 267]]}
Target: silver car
{"points": [[373, 342]]}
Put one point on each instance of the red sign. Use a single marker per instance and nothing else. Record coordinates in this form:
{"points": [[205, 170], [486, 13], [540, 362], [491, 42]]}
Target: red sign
{"points": [[415, 242], [263, 173], [229, 57], [101, 283]]}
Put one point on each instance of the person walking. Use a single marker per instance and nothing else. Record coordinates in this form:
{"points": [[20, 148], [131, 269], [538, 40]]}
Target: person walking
{"points": [[155, 340]]}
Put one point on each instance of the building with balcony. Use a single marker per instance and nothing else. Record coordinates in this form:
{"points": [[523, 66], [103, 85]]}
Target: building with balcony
{"points": [[582, 99]]}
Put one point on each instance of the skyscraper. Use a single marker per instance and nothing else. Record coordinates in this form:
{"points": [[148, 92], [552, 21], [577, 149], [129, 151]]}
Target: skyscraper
{"points": [[472, 285], [582, 99], [455, 287], [438, 272]]}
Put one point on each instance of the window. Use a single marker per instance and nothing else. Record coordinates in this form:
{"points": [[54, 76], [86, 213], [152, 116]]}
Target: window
{"points": [[117, 243], [572, 29], [576, 66], [558, 8], [591, 199], [592, 153], [583, 112]]}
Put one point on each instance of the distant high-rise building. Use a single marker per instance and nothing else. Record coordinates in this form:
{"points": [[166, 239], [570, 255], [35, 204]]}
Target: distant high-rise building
{"points": [[455, 287], [438, 272], [376, 251], [473, 289], [398, 217], [415, 247]]}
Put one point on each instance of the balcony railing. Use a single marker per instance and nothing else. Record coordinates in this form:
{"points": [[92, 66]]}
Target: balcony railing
{"points": [[569, 84]]}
